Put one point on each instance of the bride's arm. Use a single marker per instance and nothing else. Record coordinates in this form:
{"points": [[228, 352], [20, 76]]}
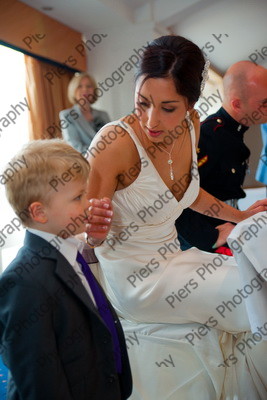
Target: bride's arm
{"points": [[104, 159], [213, 207], [105, 166]]}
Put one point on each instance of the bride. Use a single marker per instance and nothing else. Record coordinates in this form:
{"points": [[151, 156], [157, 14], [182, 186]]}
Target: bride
{"points": [[176, 305]]}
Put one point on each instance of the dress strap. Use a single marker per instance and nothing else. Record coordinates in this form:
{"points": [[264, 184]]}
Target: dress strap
{"points": [[127, 127]]}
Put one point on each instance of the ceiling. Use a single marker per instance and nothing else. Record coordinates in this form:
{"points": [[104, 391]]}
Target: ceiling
{"points": [[242, 23], [88, 15], [136, 3]]}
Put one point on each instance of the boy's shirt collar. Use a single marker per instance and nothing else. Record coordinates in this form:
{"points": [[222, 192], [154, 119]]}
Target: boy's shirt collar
{"points": [[67, 247]]}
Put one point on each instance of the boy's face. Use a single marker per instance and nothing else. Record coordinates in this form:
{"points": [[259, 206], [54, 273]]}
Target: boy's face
{"points": [[68, 208]]}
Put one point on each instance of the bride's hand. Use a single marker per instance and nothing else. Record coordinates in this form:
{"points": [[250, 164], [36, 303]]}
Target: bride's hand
{"points": [[258, 206], [99, 220]]}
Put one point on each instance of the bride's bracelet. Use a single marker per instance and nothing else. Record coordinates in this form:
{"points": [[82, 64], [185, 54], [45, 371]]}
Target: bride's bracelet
{"points": [[92, 246]]}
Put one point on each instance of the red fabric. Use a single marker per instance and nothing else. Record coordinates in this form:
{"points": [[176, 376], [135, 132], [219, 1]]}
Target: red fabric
{"points": [[224, 250]]}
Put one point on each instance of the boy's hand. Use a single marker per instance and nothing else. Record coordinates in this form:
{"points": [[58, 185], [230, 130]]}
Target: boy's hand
{"points": [[99, 218]]}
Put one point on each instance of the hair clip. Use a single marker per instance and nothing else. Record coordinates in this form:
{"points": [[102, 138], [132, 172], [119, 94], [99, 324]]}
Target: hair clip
{"points": [[205, 76]]}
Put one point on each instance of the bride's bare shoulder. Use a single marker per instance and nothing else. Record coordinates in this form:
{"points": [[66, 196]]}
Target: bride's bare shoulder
{"points": [[112, 137], [113, 144]]}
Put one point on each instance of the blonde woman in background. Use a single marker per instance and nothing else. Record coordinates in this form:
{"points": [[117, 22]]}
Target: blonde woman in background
{"points": [[83, 120]]}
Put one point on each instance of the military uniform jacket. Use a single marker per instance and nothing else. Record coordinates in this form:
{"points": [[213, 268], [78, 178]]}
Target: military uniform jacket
{"points": [[222, 161]]}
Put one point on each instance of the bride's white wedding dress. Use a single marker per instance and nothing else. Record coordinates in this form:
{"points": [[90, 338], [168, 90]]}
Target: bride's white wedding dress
{"points": [[184, 313]]}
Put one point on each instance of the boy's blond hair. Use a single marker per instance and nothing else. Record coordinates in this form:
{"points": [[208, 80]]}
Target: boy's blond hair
{"points": [[45, 163]]}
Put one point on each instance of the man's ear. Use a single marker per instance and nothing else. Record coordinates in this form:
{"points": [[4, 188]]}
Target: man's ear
{"points": [[38, 212], [236, 105]]}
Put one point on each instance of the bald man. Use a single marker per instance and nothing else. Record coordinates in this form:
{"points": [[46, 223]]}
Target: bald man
{"points": [[223, 155]]}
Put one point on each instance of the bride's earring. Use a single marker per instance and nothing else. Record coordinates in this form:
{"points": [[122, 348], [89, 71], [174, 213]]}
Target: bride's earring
{"points": [[188, 119]]}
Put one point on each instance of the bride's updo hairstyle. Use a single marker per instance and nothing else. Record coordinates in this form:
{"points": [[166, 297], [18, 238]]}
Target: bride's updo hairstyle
{"points": [[177, 58]]}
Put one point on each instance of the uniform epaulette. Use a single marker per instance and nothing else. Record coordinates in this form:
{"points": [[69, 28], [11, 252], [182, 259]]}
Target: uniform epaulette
{"points": [[219, 122]]}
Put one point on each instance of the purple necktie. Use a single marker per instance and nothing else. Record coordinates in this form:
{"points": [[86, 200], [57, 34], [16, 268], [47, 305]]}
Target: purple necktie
{"points": [[103, 308]]}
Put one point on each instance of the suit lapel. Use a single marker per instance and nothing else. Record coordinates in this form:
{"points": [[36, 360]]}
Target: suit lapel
{"points": [[63, 269], [68, 276]]}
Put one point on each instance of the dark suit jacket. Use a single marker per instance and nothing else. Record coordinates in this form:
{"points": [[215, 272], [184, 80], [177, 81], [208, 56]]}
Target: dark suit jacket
{"points": [[53, 340], [77, 131]]}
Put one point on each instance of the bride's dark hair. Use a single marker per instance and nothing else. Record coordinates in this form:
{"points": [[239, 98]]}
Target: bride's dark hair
{"points": [[174, 57]]}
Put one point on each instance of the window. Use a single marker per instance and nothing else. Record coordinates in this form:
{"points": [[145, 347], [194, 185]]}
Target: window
{"points": [[13, 134]]}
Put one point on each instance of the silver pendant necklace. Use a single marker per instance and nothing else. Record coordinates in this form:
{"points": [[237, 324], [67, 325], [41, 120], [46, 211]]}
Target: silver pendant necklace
{"points": [[170, 161]]}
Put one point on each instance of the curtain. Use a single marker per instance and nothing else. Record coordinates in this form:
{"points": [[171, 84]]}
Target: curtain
{"points": [[46, 88]]}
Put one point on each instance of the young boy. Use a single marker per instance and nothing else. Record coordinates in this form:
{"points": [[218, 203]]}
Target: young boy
{"points": [[54, 338]]}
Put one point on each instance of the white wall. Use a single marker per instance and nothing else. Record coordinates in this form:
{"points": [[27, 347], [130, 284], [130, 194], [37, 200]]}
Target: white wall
{"points": [[242, 24], [108, 56]]}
